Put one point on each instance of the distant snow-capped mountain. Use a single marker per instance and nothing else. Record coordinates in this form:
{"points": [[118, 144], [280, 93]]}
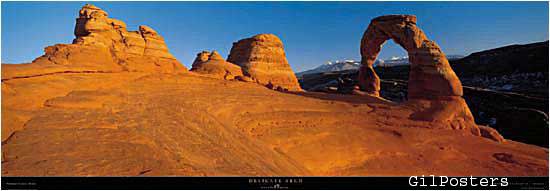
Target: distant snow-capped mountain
{"points": [[333, 67], [394, 61], [354, 65], [397, 61]]}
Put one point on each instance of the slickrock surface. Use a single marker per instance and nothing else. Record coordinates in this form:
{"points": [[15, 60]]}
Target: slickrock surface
{"points": [[262, 57], [102, 45], [90, 123], [164, 124], [433, 87], [212, 64]]}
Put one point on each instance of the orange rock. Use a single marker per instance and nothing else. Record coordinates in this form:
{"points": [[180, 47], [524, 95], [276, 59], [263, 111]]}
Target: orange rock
{"points": [[451, 112], [84, 117], [103, 45], [94, 28], [491, 133], [372, 86], [201, 58], [244, 79], [433, 86], [128, 123], [216, 56], [262, 57], [212, 64], [430, 75]]}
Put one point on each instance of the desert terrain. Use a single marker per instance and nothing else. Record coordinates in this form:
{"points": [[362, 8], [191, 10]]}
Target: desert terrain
{"points": [[505, 88], [117, 103]]}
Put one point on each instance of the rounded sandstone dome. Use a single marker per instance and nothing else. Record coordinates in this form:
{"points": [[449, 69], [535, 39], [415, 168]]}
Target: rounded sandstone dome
{"points": [[262, 57], [212, 64], [267, 38]]}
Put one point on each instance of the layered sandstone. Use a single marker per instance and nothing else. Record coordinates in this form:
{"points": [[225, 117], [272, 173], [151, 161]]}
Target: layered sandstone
{"points": [[433, 87], [262, 57], [212, 64], [91, 123], [102, 44], [136, 124], [431, 74]]}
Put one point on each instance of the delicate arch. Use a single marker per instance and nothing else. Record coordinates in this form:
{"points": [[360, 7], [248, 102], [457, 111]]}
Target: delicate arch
{"points": [[430, 72]]}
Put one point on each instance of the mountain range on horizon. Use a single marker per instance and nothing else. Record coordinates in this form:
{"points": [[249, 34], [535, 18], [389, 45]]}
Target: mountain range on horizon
{"points": [[341, 65], [506, 88], [117, 102]]}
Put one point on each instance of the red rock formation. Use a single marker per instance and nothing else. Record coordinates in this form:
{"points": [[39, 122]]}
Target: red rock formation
{"points": [[433, 87], [201, 58], [143, 50], [491, 133], [212, 64], [103, 44], [430, 76], [138, 124], [262, 57]]}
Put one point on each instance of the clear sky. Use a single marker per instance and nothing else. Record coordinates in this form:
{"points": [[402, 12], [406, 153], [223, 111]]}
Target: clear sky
{"points": [[312, 32]]}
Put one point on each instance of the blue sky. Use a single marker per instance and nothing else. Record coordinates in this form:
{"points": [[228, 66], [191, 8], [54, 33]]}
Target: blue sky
{"points": [[312, 32]]}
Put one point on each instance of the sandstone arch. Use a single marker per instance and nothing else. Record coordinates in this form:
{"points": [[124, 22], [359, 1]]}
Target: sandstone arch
{"points": [[430, 75], [434, 90]]}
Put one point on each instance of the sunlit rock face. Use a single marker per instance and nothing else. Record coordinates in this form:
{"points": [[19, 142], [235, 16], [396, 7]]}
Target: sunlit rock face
{"points": [[262, 57], [431, 75], [212, 64], [433, 86], [142, 50], [103, 44], [79, 111]]}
